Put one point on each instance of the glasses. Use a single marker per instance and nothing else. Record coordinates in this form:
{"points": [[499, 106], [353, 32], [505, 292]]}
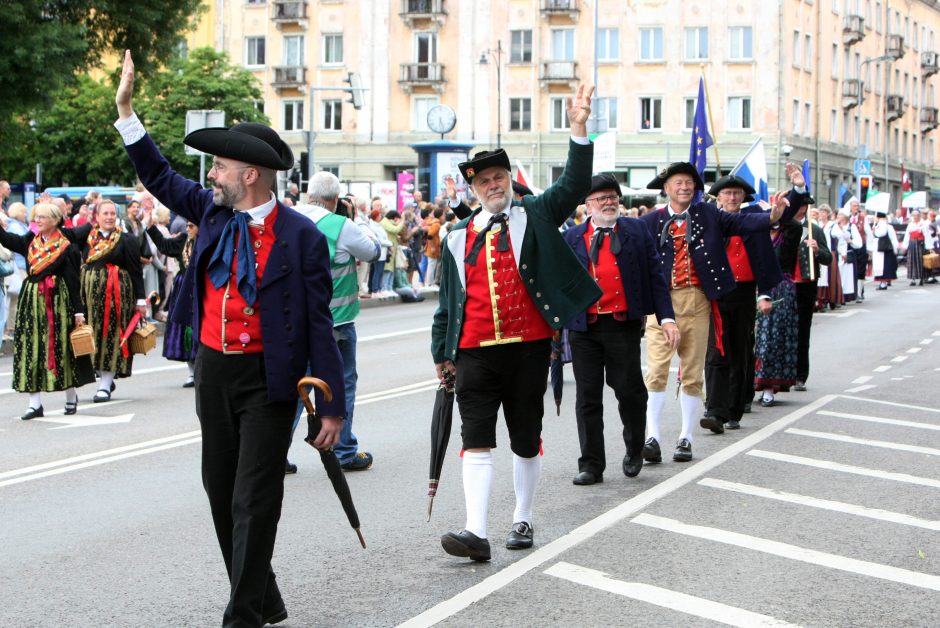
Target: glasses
{"points": [[222, 167], [603, 200]]}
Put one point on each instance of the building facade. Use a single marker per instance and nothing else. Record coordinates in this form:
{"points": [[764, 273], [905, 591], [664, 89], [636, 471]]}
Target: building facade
{"points": [[826, 80]]}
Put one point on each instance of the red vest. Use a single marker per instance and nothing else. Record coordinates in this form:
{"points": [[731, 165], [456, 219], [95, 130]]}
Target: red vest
{"points": [[229, 324], [683, 270], [607, 275], [498, 308], [740, 263]]}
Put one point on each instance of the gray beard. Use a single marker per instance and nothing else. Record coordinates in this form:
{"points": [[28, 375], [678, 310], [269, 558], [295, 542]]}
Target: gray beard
{"points": [[496, 208]]}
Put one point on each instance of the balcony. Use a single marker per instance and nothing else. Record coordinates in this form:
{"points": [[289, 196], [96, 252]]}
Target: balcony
{"points": [[928, 63], [567, 8], [422, 75], [851, 93], [413, 11], [285, 12], [896, 106], [895, 47], [853, 29], [559, 73], [928, 119], [289, 77]]}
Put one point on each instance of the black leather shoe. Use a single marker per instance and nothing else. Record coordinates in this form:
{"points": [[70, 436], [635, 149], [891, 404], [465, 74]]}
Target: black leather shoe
{"points": [[101, 396], [651, 452], [747, 408], [683, 451], [32, 413], [733, 425], [276, 616], [290, 468], [71, 407], [466, 545], [586, 478], [520, 536], [632, 465], [713, 423]]}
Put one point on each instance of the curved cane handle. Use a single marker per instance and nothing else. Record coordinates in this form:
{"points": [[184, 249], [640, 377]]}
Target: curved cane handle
{"points": [[313, 382]]}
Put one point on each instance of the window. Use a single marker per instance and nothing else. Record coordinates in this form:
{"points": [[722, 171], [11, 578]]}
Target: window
{"points": [[608, 44], [915, 93], [333, 115], [877, 136], [866, 140], [807, 120], [559, 121], [878, 17], [563, 44], [835, 6], [425, 48], [688, 108], [878, 78], [741, 43], [796, 49], [294, 50], [420, 107], [520, 114], [651, 44], [293, 115], [607, 108], [808, 56], [555, 172], [868, 14], [333, 49], [739, 113], [845, 127], [254, 51], [696, 43], [520, 47], [835, 62], [834, 126], [254, 1], [796, 117], [651, 114]]}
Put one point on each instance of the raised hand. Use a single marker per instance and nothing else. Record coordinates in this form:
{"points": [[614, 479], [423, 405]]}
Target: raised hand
{"points": [[579, 109], [780, 204], [125, 90], [451, 187], [795, 175]]}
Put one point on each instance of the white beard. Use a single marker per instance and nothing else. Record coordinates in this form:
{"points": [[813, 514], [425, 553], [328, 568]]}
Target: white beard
{"points": [[495, 208]]}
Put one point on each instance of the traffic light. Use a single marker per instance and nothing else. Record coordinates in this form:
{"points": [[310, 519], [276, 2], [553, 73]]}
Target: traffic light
{"points": [[864, 185], [355, 89]]}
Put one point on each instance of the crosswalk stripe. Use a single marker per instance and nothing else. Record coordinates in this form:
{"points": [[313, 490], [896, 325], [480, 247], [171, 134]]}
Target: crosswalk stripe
{"points": [[845, 468], [883, 444], [878, 419]]}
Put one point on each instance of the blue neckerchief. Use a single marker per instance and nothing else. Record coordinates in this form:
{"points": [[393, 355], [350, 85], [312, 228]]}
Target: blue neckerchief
{"points": [[220, 264]]}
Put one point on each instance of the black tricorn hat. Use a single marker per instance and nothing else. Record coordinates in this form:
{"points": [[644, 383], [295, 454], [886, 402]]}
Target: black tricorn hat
{"points": [[483, 160], [677, 167], [521, 189], [250, 142], [604, 181], [808, 200], [731, 181]]}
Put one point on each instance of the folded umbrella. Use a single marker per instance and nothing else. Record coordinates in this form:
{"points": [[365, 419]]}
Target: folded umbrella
{"points": [[441, 419], [561, 353], [333, 470]]}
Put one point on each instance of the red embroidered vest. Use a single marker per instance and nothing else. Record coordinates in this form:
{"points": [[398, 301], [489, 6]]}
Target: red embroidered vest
{"points": [[607, 275], [683, 270], [740, 263]]}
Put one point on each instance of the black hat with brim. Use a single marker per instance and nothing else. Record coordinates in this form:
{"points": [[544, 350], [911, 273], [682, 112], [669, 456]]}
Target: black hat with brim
{"points": [[250, 142], [604, 181], [808, 200], [483, 160], [678, 167], [521, 189], [731, 181]]}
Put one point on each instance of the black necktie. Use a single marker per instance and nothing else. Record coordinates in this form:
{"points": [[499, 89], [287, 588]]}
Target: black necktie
{"points": [[676, 217], [502, 244], [598, 241]]}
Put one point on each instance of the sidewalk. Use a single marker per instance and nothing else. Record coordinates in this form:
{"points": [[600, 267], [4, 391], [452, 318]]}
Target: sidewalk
{"points": [[429, 294]]}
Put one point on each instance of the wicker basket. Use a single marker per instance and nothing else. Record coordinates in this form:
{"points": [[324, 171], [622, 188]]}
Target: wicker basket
{"points": [[82, 340], [931, 261], [143, 339]]}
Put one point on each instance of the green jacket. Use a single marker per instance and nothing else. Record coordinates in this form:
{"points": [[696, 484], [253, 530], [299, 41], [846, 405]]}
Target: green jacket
{"points": [[559, 285]]}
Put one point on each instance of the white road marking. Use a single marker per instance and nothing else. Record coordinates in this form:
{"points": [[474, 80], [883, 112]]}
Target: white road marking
{"points": [[393, 334], [450, 607], [824, 504], [914, 350], [407, 387], [883, 444], [883, 368], [926, 341], [859, 389], [793, 552], [658, 596], [893, 379], [403, 393], [899, 358], [86, 420], [845, 468], [892, 403], [156, 369], [936, 333], [864, 379]]}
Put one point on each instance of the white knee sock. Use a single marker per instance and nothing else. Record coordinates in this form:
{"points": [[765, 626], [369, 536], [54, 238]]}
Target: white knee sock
{"points": [[691, 407], [654, 412], [192, 368], [107, 378], [35, 400], [71, 395], [525, 479], [768, 394], [477, 480]]}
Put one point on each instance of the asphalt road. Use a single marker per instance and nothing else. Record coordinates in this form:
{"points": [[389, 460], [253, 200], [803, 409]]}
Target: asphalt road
{"points": [[822, 511]]}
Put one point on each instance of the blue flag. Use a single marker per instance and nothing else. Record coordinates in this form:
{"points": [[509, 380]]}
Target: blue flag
{"points": [[806, 176], [701, 139]]}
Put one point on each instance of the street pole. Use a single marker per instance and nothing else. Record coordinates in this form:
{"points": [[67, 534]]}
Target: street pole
{"points": [[499, 93], [312, 134]]}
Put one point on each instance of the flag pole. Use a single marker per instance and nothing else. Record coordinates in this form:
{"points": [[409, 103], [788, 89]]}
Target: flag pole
{"points": [[711, 123]]}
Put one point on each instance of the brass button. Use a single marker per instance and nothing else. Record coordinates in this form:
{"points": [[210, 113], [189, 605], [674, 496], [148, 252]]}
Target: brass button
{"points": [[249, 311], [257, 244]]}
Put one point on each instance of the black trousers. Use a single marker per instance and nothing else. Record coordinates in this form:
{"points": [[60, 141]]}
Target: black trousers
{"points": [[513, 376], [608, 351], [728, 385], [245, 439], [805, 302]]}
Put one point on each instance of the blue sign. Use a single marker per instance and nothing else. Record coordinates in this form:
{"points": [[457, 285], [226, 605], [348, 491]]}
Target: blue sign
{"points": [[862, 167]]}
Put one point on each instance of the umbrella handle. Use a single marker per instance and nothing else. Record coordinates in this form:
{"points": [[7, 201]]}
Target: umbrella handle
{"points": [[313, 382]]}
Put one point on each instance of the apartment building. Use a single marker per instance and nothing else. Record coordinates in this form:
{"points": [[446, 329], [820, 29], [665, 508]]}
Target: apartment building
{"points": [[827, 80]]}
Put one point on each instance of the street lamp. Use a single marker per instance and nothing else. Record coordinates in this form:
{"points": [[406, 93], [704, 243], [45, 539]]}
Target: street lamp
{"points": [[497, 54]]}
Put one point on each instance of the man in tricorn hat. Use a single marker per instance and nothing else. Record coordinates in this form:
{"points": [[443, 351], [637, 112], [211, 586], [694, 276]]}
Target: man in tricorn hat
{"points": [[508, 282], [259, 287], [621, 256], [728, 380], [690, 238]]}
